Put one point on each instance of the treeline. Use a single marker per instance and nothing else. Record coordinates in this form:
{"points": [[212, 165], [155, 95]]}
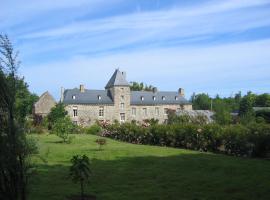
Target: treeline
{"points": [[235, 109]]}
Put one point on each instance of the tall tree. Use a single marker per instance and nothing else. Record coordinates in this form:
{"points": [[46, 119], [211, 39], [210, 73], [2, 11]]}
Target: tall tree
{"points": [[13, 148]]}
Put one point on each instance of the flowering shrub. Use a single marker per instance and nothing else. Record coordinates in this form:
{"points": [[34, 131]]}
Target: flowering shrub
{"points": [[238, 140]]}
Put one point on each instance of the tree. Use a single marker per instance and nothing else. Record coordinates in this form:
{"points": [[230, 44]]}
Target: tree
{"points": [[263, 100], [201, 102], [13, 145], [246, 104], [57, 112], [63, 127], [80, 171], [135, 86]]}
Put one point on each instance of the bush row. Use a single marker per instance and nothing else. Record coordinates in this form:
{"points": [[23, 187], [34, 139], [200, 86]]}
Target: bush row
{"points": [[252, 140]]}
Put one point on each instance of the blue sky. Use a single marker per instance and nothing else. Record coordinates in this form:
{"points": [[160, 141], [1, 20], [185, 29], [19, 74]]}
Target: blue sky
{"points": [[216, 47]]}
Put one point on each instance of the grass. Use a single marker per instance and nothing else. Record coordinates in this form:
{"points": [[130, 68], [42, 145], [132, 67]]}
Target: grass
{"points": [[127, 171]]}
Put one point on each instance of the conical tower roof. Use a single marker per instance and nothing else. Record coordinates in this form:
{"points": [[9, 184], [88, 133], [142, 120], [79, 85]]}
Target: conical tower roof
{"points": [[118, 79]]}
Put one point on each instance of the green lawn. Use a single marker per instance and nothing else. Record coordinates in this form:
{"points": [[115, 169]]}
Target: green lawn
{"points": [[126, 171]]}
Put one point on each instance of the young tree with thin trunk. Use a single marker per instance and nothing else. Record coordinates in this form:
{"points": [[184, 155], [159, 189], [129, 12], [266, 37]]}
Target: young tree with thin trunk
{"points": [[80, 171]]}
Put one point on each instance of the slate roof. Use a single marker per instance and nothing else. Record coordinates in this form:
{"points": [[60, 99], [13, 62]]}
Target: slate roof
{"points": [[118, 79], [86, 97], [91, 97], [160, 98]]}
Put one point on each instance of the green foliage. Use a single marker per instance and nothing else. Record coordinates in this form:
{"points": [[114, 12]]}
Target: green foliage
{"points": [[236, 140], [80, 171], [201, 102], [57, 112], [222, 115], [264, 115], [135, 86], [263, 100], [63, 127], [95, 129], [246, 104]]}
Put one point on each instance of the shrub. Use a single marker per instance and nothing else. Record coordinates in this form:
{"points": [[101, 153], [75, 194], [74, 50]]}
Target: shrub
{"points": [[238, 140], [94, 129], [101, 142]]}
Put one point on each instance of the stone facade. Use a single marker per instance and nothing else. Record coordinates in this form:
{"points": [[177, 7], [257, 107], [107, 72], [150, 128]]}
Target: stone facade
{"points": [[117, 102], [44, 105]]}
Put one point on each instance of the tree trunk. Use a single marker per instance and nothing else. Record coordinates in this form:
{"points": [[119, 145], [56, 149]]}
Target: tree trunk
{"points": [[82, 190]]}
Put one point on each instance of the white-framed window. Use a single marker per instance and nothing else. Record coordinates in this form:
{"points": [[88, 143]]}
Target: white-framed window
{"points": [[75, 111], [133, 111], [122, 97], [163, 98], [101, 111], [73, 97], [176, 98], [99, 97], [166, 111], [154, 98], [122, 117], [156, 111], [122, 106], [145, 111], [142, 98]]}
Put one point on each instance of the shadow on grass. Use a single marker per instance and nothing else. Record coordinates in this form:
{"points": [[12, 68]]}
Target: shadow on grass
{"points": [[191, 176]]}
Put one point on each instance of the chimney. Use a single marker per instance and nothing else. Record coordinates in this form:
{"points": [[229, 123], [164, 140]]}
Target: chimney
{"points": [[62, 94], [124, 74], [81, 88], [155, 89], [181, 92]]}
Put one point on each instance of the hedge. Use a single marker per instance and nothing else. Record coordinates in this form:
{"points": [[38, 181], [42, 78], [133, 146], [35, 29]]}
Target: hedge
{"points": [[239, 140]]}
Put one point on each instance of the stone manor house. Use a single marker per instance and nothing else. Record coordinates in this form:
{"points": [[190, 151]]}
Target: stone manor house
{"points": [[118, 102]]}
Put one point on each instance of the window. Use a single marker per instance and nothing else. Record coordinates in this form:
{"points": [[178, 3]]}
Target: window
{"points": [[75, 122], [142, 98], [166, 111], [101, 111], [122, 117], [122, 98], [133, 111], [145, 111], [75, 111], [157, 111], [154, 98], [73, 97], [99, 97], [163, 98], [176, 98], [122, 89], [122, 106]]}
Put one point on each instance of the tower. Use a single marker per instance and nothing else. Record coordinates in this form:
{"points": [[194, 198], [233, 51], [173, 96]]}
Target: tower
{"points": [[119, 90]]}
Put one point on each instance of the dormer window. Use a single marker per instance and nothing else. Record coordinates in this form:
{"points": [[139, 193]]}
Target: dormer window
{"points": [[154, 98], [176, 98], [99, 97], [142, 98], [73, 97], [163, 98]]}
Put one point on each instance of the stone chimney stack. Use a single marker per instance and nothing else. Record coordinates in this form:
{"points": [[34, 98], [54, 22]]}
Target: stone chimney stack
{"points": [[62, 94], [155, 89], [181, 92], [81, 88]]}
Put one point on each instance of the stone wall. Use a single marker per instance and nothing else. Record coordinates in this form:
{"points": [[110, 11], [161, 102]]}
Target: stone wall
{"points": [[88, 114], [44, 105]]}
